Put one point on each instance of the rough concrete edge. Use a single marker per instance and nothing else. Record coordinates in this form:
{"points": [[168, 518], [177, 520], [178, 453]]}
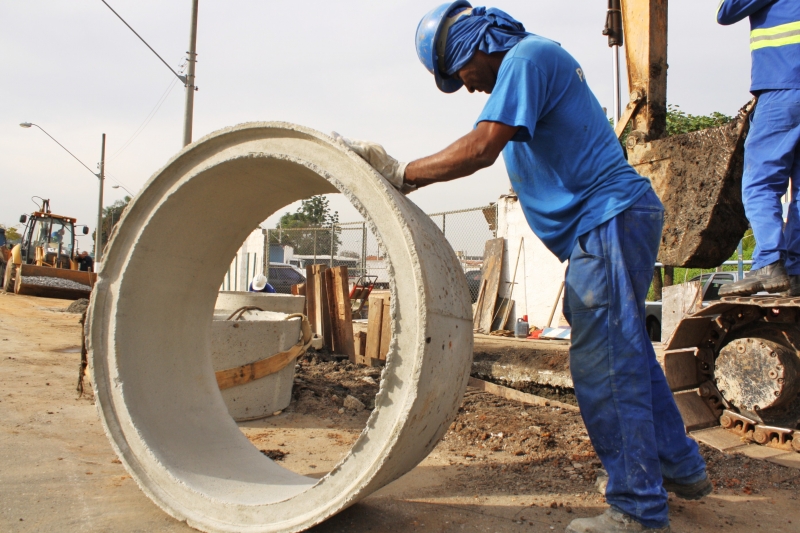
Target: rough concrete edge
{"points": [[407, 237]]}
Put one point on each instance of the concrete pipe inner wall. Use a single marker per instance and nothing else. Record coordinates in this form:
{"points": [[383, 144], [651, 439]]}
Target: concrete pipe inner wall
{"points": [[152, 308]]}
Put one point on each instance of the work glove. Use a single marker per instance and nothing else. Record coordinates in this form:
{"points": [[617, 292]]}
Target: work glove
{"points": [[387, 166]]}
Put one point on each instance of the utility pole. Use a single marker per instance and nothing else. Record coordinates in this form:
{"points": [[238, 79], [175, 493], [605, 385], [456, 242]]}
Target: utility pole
{"points": [[190, 87], [98, 241]]}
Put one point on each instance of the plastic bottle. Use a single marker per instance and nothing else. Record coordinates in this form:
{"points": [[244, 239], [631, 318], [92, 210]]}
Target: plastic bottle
{"points": [[522, 327]]}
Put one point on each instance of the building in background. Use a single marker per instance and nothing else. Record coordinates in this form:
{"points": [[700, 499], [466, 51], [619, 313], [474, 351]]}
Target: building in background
{"points": [[539, 277]]}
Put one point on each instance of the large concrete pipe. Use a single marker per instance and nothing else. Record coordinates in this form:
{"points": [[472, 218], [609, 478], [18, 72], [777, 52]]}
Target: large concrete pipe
{"points": [[152, 308]]}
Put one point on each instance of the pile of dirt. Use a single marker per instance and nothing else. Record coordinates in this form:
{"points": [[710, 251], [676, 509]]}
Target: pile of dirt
{"points": [[323, 381], [78, 306], [501, 446]]}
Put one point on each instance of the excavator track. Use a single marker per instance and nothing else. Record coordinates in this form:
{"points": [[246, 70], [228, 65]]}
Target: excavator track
{"points": [[736, 364]]}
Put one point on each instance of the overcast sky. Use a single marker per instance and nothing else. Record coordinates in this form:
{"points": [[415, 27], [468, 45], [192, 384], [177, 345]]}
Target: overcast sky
{"points": [[74, 69]]}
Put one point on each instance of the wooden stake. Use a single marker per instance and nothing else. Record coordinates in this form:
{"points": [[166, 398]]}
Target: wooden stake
{"points": [[374, 325], [340, 311]]}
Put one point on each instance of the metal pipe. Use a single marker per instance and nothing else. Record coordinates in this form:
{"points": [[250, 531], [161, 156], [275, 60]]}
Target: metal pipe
{"points": [[613, 30], [617, 85], [190, 87]]}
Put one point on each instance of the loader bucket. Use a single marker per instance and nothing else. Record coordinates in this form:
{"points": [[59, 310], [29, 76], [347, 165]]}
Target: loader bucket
{"points": [[49, 282], [698, 177]]}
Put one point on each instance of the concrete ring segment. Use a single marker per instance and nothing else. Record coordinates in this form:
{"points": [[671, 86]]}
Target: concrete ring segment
{"points": [[150, 322]]}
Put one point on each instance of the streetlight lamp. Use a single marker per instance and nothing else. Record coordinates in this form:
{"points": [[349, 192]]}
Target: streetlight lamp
{"points": [[123, 188], [98, 232]]}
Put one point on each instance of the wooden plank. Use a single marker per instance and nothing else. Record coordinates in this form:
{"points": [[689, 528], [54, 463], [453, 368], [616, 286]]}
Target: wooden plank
{"points": [[374, 324], [503, 312], [340, 311], [386, 328], [518, 396], [476, 315], [492, 267], [300, 290], [360, 345], [323, 311], [311, 300]]}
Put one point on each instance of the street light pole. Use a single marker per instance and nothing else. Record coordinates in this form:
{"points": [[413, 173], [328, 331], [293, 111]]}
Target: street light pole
{"points": [[98, 238], [98, 247], [190, 88]]}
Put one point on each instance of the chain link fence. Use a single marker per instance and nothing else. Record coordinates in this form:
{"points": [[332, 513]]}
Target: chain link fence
{"points": [[352, 244]]}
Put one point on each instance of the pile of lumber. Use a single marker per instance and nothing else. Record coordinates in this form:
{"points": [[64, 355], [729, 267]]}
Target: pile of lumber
{"points": [[372, 347], [328, 307], [492, 313]]}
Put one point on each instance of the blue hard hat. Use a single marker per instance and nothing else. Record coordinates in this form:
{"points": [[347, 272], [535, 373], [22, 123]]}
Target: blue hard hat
{"points": [[428, 31]]}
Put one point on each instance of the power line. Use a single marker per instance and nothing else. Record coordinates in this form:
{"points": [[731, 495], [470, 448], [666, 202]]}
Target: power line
{"points": [[146, 121], [182, 78]]}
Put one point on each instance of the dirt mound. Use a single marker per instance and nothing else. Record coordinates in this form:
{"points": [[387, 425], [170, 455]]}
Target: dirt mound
{"points": [[78, 306]]}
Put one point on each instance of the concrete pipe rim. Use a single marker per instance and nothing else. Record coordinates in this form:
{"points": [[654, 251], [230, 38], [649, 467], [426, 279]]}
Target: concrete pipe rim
{"points": [[151, 372]]}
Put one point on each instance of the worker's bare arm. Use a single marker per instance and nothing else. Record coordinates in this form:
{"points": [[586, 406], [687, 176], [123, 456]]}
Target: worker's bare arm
{"points": [[472, 152]]}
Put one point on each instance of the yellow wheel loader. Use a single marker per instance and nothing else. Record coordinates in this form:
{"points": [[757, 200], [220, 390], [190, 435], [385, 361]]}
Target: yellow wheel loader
{"points": [[44, 263]]}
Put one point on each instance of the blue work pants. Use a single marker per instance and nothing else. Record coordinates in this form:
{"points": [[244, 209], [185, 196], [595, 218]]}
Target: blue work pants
{"points": [[629, 412], [771, 163]]}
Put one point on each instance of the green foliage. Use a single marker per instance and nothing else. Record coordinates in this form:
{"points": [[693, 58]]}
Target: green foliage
{"points": [[309, 228], [111, 216], [682, 275], [679, 122], [312, 213], [12, 235]]}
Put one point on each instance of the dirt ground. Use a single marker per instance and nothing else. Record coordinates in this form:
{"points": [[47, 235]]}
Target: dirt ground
{"points": [[502, 466]]}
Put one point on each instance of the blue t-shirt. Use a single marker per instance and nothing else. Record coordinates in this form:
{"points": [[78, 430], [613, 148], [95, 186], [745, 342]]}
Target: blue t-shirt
{"points": [[565, 162]]}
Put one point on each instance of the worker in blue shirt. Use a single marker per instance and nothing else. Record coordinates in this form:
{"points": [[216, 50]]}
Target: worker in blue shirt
{"points": [[260, 284], [772, 148], [588, 206]]}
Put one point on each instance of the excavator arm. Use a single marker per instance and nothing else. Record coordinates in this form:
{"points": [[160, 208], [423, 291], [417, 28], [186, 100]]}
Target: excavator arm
{"points": [[697, 175]]}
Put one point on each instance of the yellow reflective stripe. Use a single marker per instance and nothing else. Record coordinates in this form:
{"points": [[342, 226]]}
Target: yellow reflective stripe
{"points": [[790, 39], [775, 30], [775, 36]]}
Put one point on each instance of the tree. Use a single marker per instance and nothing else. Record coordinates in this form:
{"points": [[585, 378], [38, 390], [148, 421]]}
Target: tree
{"points": [[12, 235], [111, 216], [679, 122], [308, 230]]}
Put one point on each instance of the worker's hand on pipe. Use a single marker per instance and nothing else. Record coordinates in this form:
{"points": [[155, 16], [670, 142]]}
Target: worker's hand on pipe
{"points": [[374, 154]]}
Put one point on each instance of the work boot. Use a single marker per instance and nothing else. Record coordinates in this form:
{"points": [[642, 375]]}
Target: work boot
{"points": [[611, 522], [794, 287], [771, 278], [690, 491]]}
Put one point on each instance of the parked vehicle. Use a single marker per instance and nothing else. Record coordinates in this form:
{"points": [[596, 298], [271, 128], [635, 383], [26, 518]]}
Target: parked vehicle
{"points": [[711, 281], [283, 276], [474, 282]]}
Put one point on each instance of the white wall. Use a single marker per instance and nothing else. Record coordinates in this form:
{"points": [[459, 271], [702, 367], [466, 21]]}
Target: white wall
{"points": [[246, 264], [539, 272]]}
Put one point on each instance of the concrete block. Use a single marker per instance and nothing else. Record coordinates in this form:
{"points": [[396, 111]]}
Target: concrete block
{"points": [[150, 319], [678, 301], [280, 303], [257, 336]]}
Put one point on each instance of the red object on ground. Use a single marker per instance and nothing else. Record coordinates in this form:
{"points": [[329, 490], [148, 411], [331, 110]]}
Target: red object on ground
{"points": [[535, 334]]}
